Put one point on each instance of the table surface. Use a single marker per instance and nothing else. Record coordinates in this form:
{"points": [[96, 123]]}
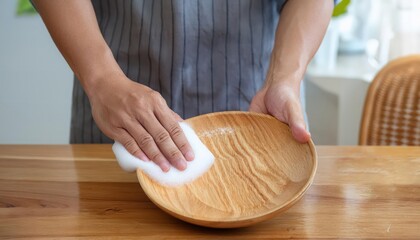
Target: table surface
{"points": [[57, 191]]}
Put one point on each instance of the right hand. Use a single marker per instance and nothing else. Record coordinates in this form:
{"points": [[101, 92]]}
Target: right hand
{"points": [[139, 118]]}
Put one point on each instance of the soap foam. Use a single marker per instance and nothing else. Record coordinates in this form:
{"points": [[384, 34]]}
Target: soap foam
{"points": [[202, 162]]}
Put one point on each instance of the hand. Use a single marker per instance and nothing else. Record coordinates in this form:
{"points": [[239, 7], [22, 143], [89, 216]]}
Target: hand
{"points": [[139, 118], [282, 101]]}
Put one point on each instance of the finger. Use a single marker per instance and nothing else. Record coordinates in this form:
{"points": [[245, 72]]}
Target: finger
{"points": [[296, 121], [164, 141], [146, 142], [177, 117], [129, 143], [300, 133], [177, 135]]}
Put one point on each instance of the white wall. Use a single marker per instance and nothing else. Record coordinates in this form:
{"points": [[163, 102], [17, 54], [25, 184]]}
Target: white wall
{"points": [[35, 82], [322, 110], [335, 106]]}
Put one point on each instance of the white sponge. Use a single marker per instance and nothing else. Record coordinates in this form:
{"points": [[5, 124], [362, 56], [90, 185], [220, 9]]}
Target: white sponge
{"points": [[202, 162]]}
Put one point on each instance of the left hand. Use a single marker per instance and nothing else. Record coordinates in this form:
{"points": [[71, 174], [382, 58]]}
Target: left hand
{"points": [[281, 100]]}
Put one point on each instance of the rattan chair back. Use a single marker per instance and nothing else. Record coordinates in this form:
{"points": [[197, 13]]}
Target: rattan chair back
{"points": [[392, 107]]}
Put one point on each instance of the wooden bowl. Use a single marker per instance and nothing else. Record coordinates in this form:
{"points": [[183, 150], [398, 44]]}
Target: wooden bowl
{"points": [[259, 171]]}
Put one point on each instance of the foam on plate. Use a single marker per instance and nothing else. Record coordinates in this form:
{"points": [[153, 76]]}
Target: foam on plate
{"points": [[202, 162]]}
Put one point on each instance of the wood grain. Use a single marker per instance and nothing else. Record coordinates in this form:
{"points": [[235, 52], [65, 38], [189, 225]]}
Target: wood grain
{"points": [[259, 171], [358, 192]]}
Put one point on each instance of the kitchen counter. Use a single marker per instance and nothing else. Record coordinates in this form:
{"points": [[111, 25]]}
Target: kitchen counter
{"points": [[57, 191]]}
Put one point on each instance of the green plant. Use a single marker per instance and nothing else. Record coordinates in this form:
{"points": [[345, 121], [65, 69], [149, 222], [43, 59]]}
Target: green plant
{"points": [[341, 8], [24, 7]]}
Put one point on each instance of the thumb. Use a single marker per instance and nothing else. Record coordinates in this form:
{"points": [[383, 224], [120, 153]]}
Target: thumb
{"points": [[299, 132], [297, 124], [293, 116]]}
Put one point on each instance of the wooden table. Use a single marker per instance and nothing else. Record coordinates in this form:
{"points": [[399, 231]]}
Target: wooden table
{"points": [[79, 191]]}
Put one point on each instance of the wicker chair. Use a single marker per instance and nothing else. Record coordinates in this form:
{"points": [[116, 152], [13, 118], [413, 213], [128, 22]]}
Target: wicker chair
{"points": [[392, 108]]}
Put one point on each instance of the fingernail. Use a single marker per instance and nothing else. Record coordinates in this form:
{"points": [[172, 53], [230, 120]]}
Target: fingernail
{"points": [[146, 159], [165, 166], [302, 126], [189, 155], [182, 165]]}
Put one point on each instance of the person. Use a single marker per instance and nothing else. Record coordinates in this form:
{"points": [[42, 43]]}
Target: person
{"points": [[141, 64]]}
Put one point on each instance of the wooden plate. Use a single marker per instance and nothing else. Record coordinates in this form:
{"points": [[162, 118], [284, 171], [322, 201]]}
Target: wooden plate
{"points": [[259, 171]]}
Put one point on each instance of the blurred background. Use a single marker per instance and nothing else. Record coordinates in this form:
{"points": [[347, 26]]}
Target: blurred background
{"points": [[363, 35]]}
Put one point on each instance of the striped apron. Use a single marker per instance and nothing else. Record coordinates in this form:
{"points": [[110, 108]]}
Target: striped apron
{"points": [[201, 55]]}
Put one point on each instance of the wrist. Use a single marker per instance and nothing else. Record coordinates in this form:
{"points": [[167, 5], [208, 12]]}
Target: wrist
{"points": [[99, 83], [96, 69], [290, 80], [278, 73]]}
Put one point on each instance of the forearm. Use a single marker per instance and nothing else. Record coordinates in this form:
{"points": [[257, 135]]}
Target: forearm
{"points": [[146, 126], [75, 31], [299, 33]]}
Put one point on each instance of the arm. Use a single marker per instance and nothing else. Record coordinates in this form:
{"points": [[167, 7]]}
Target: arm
{"points": [[299, 33], [146, 126]]}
